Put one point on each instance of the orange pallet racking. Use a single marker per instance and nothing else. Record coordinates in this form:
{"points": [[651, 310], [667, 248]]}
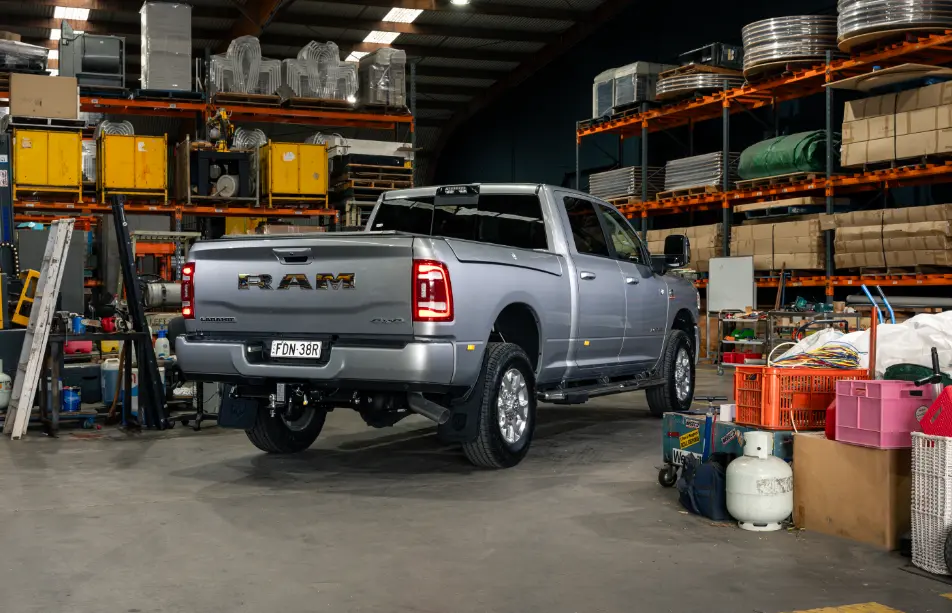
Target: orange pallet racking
{"points": [[917, 47]]}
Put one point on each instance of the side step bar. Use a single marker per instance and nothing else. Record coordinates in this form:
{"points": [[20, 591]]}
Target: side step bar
{"points": [[581, 395]]}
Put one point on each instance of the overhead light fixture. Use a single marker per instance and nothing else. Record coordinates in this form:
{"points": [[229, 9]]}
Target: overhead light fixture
{"points": [[67, 12], [459, 2], [55, 34], [355, 56], [402, 15], [381, 37]]}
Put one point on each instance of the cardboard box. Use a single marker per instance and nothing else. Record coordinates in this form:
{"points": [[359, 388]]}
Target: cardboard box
{"points": [[914, 122], [882, 127], [907, 101], [915, 214], [944, 141], [879, 106], [881, 150], [853, 154], [866, 259], [928, 96], [854, 110], [943, 117], [799, 261], [856, 131], [919, 257], [854, 492], [916, 145], [798, 244], [42, 96]]}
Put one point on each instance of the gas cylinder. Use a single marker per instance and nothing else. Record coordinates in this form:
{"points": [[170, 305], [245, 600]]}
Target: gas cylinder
{"points": [[759, 485]]}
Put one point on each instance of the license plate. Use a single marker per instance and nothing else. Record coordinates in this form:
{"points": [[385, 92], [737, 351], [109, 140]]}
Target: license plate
{"points": [[677, 456], [302, 350]]}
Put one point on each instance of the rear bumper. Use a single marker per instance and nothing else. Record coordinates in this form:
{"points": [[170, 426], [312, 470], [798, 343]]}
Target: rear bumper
{"points": [[413, 363]]}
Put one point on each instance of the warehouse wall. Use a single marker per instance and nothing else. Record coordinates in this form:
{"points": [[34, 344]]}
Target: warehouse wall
{"points": [[529, 134]]}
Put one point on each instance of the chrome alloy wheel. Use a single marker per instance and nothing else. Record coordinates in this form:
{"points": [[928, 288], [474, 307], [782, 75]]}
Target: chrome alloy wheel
{"points": [[682, 374], [512, 406]]}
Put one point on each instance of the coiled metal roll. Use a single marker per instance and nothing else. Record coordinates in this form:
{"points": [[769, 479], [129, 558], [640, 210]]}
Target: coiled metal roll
{"points": [[859, 17], [788, 39], [684, 84]]}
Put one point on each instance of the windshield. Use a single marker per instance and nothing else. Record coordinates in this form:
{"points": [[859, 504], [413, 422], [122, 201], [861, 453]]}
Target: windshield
{"points": [[512, 220]]}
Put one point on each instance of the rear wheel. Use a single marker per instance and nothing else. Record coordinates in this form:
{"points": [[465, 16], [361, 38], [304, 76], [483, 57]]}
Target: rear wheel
{"points": [[507, 407], [293, 433], [677, 367]]}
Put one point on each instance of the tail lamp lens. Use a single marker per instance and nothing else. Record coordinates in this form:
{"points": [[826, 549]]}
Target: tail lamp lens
{"points": [[188, 291], [432, 292]]}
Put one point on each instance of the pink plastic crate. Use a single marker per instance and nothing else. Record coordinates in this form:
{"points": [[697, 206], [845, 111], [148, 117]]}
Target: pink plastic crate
{"points": [[879, 414]]}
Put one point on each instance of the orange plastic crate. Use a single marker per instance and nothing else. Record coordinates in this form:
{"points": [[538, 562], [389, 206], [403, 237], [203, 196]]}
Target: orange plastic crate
{"points": [[770, 398]]}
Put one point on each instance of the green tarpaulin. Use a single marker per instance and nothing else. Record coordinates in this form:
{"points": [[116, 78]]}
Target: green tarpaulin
{"points": [[803, 152]]}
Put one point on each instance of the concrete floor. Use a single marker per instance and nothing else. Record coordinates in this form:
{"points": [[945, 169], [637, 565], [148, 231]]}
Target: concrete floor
{"points": [[391, 521]]}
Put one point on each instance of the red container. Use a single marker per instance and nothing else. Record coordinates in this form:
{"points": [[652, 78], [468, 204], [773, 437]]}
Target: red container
{"points": [[78, 347], [778, 398]]}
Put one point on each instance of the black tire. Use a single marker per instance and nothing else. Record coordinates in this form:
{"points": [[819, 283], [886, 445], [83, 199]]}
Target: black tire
{"points": [[664, 398], [490, 449], [272, 434], [668, 476]]}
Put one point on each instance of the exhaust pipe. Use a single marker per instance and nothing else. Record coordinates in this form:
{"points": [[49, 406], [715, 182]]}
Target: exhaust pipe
{"points": [[421, 406]]}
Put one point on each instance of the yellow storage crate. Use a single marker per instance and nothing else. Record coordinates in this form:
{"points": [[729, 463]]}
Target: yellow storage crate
{"points": [[133, 166], [294, 172], [47, 161]]}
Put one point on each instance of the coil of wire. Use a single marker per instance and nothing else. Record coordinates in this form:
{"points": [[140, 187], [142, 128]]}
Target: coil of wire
{"points": [[121, 128], [798, 38], [861, 17], [690, 83]]}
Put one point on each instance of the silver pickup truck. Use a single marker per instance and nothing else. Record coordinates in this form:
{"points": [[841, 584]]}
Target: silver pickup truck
{"points": [[464, 304]]}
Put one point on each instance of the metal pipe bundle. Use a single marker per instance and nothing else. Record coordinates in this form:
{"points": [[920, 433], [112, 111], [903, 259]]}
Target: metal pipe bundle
{"points": [[699, 171], [788, 39], [859, 17], [700, 82]]}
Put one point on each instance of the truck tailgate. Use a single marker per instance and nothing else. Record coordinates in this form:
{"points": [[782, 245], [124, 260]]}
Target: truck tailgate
{"points": [[343, 284]]}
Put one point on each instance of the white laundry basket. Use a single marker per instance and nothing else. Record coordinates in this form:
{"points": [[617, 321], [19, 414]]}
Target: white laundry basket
{"points": [[931, 501]]}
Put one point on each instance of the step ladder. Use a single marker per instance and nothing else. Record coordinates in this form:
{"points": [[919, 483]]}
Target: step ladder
{"points": [[38, 330]]}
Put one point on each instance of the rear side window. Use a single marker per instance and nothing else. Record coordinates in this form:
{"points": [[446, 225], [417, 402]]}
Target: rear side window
{"points": [[586, 228], [511, 220]]}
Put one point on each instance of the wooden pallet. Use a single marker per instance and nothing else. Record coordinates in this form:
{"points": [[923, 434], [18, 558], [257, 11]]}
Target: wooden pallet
{"points": [[170, 95], [698, 69], [382, 173], [385, 109], [373, 184], [788, 179], [47, 123], [897, 270], [874, 40], [790, 67], [689, 191], [357, 213], [254, 99]]}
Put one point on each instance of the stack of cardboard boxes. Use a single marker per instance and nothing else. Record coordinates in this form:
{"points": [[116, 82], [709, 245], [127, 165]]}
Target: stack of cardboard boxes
{"points": [[914, 236], [910, 124], [706, 242], [795, 245]]}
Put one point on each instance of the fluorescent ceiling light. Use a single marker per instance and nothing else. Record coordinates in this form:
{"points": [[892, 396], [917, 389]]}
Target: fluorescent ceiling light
{"points": [[459, 2], [381, 37], [55, 34], [66, 12], [53, 55], [355, 56], [402, 15]]}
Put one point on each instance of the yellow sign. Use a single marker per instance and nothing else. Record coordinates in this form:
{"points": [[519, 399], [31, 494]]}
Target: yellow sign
{"points": [[691, 438]]}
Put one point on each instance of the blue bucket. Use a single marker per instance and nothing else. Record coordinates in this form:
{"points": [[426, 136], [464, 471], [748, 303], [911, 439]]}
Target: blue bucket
{"points": [[72, 399], [77, 325]]}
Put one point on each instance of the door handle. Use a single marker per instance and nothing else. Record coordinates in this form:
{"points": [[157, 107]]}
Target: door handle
{"points": [[587, 276], [632, 281], [293, 256]]}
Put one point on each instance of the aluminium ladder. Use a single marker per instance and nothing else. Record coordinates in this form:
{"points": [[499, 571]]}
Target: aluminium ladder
{"points": [[38, 331]]}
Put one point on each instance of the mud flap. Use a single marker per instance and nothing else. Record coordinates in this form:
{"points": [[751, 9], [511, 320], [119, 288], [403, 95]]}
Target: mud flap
{"points": [[239, 413], [463, 424]]}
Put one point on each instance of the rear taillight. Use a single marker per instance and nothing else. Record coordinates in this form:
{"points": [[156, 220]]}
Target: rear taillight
{"points": [[188, 291], [432, 292]]}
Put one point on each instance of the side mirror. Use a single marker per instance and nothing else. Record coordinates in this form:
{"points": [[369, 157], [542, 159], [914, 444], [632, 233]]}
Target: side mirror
{"points": [[677, 251]]}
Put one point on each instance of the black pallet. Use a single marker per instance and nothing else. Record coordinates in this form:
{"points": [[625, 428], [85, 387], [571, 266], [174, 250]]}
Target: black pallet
{"points": [[46, 122]]}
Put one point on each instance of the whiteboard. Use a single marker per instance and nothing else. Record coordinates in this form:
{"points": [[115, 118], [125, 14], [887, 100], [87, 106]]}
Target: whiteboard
{"points": [[730, 285]]}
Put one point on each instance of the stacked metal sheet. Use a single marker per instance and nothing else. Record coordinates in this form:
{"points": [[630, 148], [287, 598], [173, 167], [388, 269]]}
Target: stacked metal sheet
{"points": [[797, 38], [700, 171], [859, 17], [166, 46], [683, 84], [383, 78], [624, 182]]}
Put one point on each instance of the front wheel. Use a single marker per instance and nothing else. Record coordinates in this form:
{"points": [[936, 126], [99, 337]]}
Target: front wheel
{"points": [[668, 476], [507, 409], [277, 433], [677, 368]]}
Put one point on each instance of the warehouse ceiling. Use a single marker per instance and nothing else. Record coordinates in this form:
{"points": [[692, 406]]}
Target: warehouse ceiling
{"points": [[465, 55]]}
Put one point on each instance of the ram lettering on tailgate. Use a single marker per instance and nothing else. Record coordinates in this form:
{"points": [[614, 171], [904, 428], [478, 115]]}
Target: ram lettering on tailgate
{"points": [[322, 280]]}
